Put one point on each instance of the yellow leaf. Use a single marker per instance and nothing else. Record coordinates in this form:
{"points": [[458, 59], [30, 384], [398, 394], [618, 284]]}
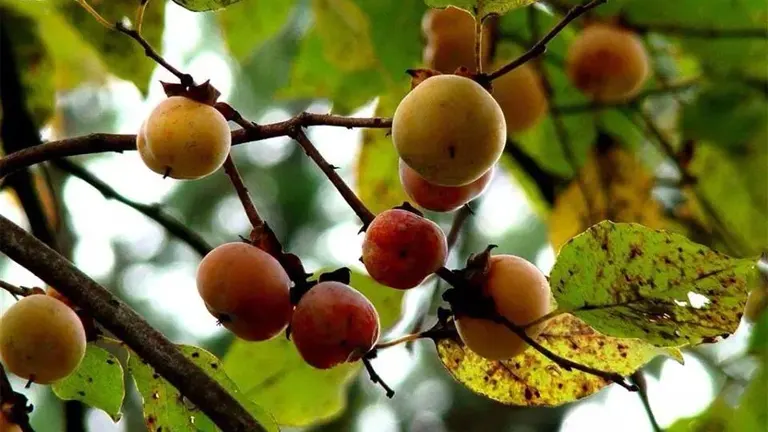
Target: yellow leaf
{"points": [[530, 379], [618, 188]]}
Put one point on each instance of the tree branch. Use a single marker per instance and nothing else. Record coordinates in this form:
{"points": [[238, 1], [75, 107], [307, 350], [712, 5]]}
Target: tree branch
{"points": [[154, 212], [662, 90], [14, 290], [128, 326], [540, 47], [186, 79], [242, 193], [365, 215], [102, 143], [694, 32]]}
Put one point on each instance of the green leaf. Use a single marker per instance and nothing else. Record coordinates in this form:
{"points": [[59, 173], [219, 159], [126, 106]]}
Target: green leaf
{"points": [[530, 379], [378, 179], [33, 61], [124, 57], [97, 382], [324, 69], [345, 32], [482, 8], [75, 60], [246, 25], [627, 280], [273, 374], [742, 106], [731, 188], [619, 189], [204, 5], [166, 409]]}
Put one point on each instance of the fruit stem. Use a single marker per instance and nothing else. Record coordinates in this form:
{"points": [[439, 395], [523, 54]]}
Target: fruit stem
{"points": [[541, 46], [400, 340], [376, 379], [478, 45], [642, 390]]}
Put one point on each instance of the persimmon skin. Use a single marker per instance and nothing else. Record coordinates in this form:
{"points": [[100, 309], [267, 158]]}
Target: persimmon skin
{"points": [[522, 98], [51, 292], [450, 130], [188, 139], [334, 323], [41, 339], [450, 40], [145, 155], [401, 248], [521, 294], [6, 425], [440, 198], [608, 63], [246, 289]]}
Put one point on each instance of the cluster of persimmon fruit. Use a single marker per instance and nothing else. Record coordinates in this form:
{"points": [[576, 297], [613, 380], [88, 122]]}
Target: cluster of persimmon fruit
{"points": [[449, 132]]}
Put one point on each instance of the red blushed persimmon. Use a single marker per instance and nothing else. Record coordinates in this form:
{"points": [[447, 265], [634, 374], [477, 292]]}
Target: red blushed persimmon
{"points": [[440, 198], [333, 324], [402, 248], [246, 289]]}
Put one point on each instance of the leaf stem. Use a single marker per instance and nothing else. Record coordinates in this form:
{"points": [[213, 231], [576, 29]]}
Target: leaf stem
{"points": [[150, 52], [478, 45], [642, 391]]}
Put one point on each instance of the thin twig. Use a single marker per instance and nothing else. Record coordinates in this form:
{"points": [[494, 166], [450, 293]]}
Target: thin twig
{"points": [[140, 14], [694, 32], [95, 14], [186, 79], [242, 193], [376, 379], [127, 325], [541, 46], [101, 143], [399, 340], [662, 90], [547, 317], [365, 215], [642, 391], [563, 140], [154, 212], [15, 291]]}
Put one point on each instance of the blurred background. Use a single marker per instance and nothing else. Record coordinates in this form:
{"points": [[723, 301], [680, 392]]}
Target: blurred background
{"points": [[154, 272]]}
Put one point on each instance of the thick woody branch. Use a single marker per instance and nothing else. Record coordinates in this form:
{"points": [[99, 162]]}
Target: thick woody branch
{"points": [[128, 326], [102, 143], [540, 47]]}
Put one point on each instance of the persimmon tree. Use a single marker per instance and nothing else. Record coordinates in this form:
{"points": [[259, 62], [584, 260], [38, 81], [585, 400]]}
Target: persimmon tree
{"points": [[637, 129]]}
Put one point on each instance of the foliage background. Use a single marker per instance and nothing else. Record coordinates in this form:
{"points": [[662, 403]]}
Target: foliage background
{"points": [[272, 59]]}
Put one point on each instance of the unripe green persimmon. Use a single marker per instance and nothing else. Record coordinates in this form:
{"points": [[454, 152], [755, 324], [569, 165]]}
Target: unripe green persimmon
{"points": [[187, 138], [450, 130], [608, 63], [246, 289], [521, 294], [41, 339]]}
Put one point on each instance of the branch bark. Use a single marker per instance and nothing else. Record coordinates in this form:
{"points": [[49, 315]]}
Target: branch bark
{"points": [[540, 47], [102, 143], [128, 326]]}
